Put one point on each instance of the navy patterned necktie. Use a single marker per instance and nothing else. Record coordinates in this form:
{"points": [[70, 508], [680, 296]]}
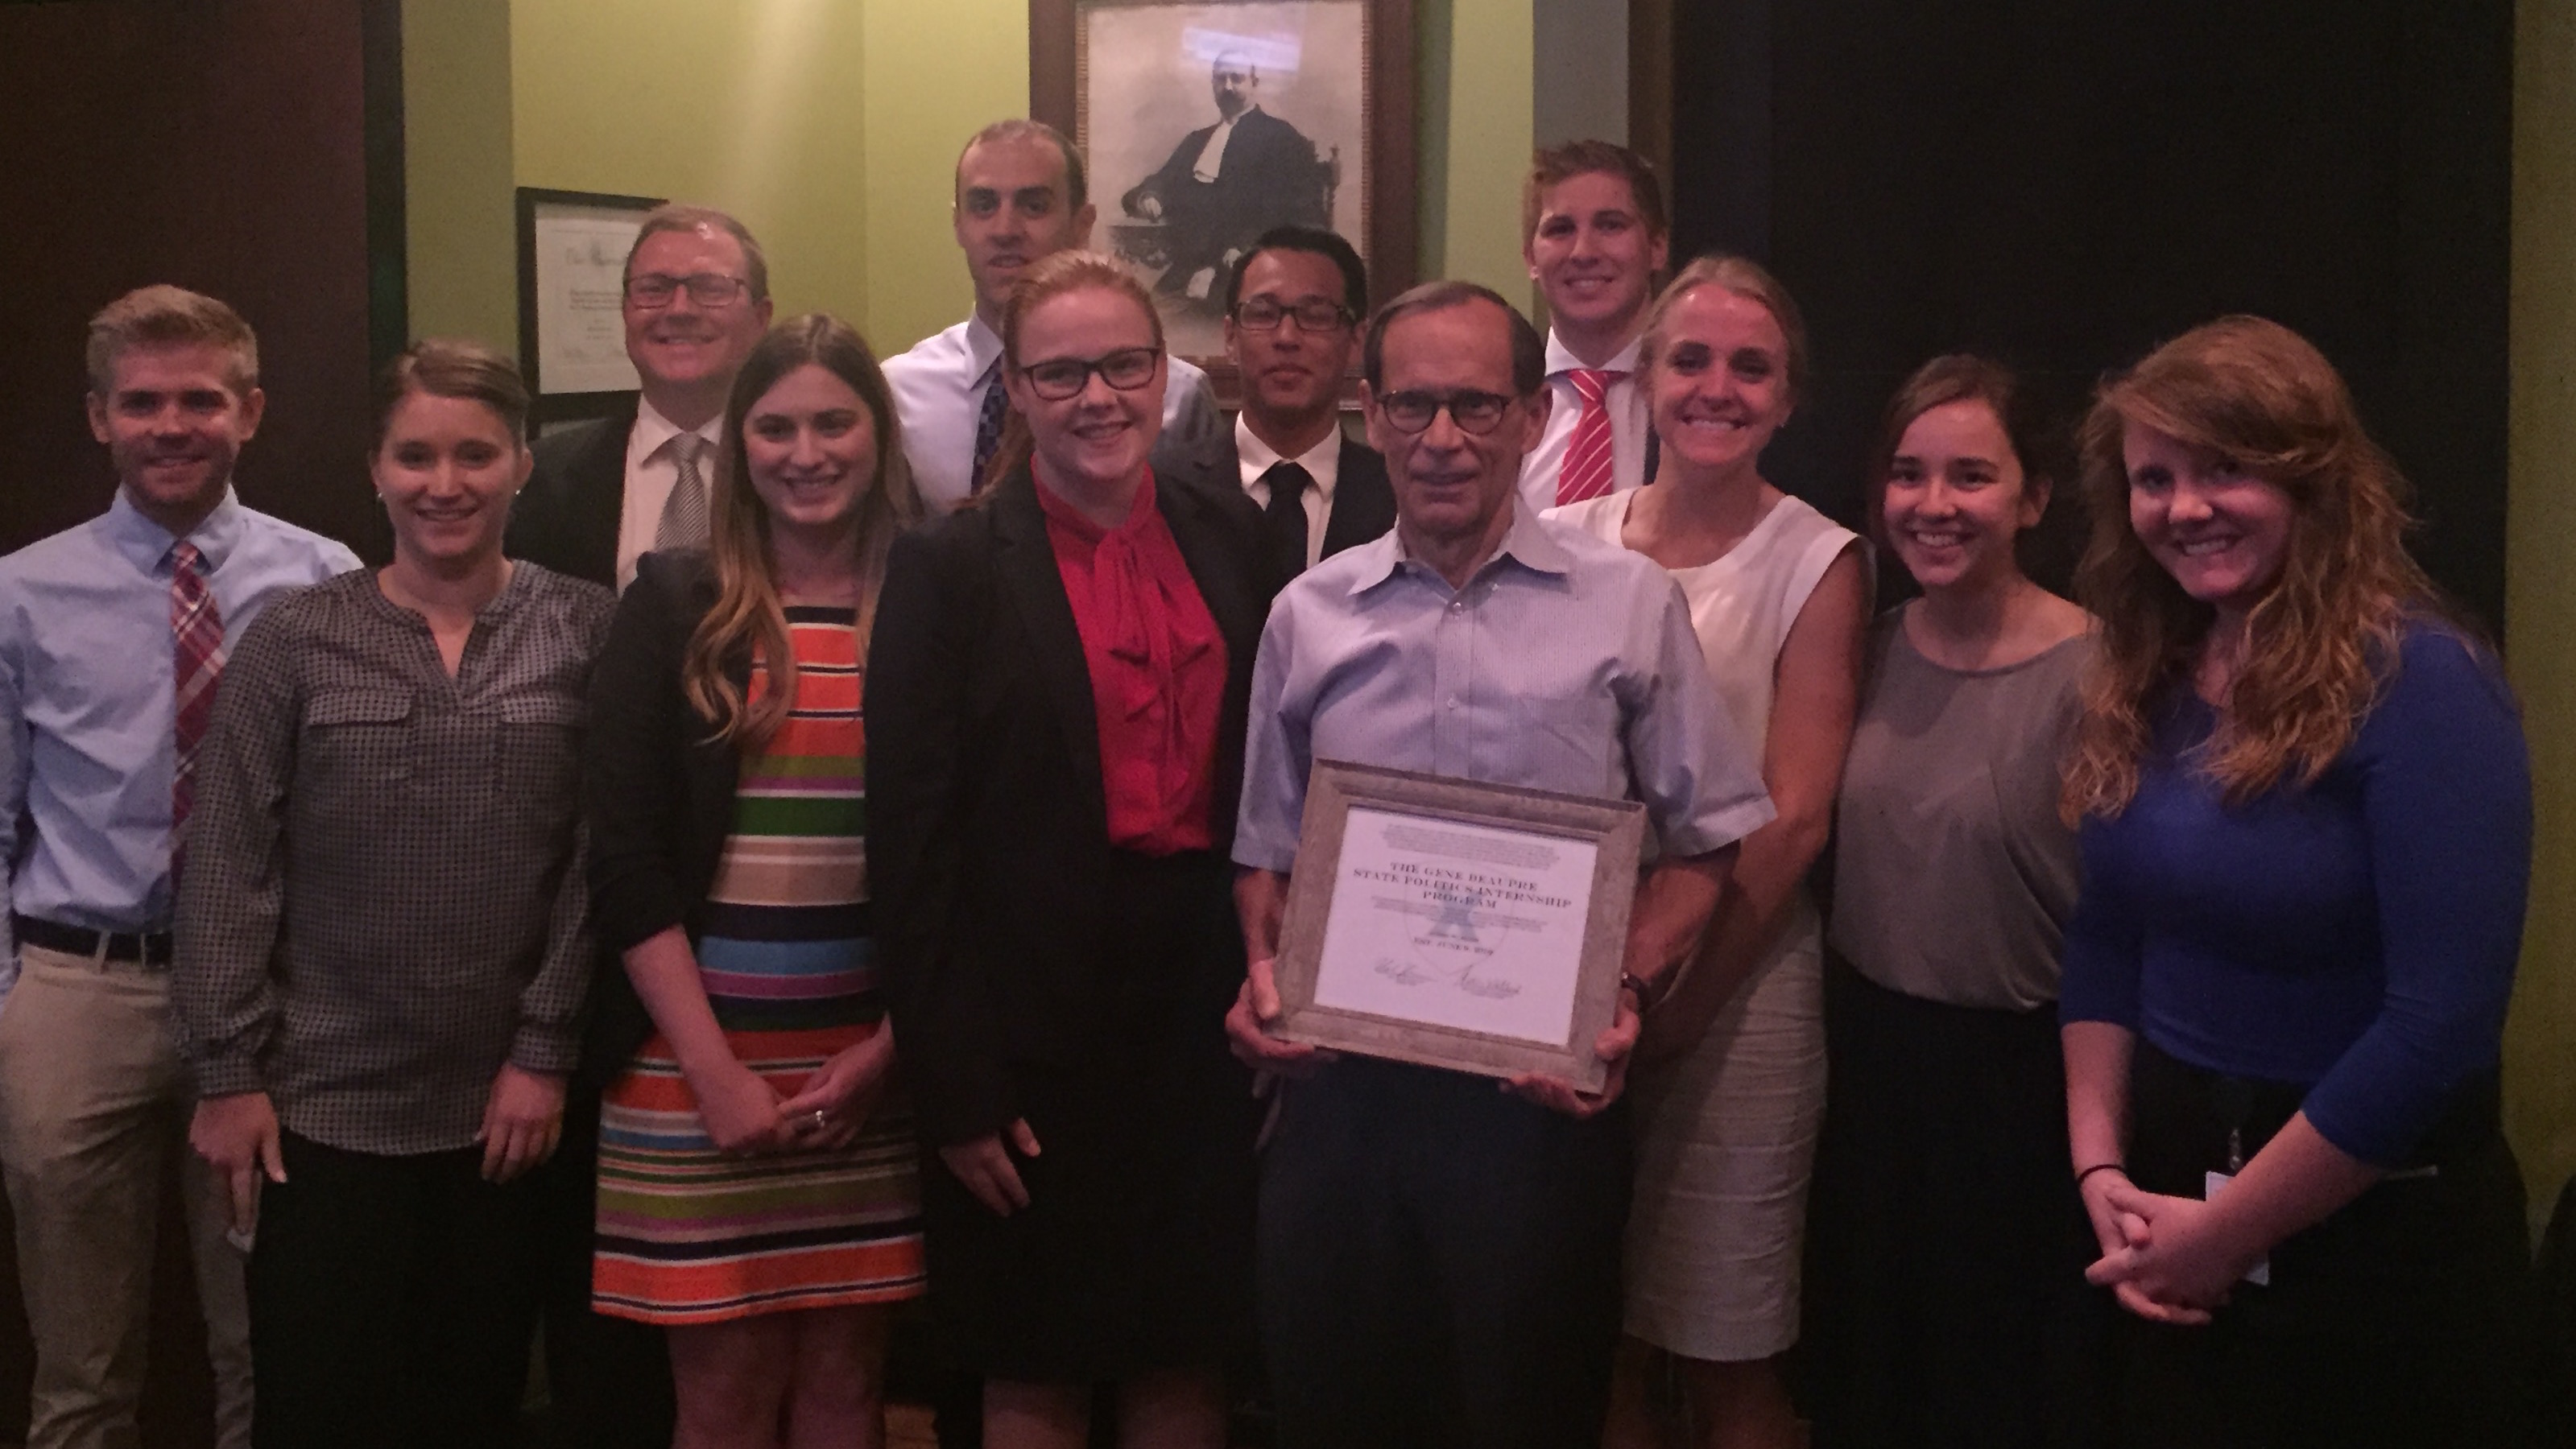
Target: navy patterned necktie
{"points": [[988, 428]]}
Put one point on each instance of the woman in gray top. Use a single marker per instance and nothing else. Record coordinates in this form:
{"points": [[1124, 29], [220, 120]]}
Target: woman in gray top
{"points": [[381, 950], [1946, 1239]]}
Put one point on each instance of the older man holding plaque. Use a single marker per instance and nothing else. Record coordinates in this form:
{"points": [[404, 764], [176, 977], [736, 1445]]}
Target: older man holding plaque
{"points": [[1439, 1259]]}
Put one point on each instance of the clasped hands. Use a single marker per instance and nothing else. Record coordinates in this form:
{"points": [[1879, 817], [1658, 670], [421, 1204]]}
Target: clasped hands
{"points": [[745, 1116], [1257, 1004], [2166, 1259]]}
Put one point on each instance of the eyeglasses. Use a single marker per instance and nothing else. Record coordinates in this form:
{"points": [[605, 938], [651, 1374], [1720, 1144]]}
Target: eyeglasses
{"points": [[1264, 314], [1058, 378], [1472, 411], [655, 290]]}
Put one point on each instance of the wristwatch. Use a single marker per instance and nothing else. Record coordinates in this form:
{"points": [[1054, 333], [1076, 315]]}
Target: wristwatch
{"points": [[1648, 992]]}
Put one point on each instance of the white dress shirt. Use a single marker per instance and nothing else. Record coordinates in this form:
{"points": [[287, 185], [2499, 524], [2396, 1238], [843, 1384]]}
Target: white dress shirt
{"points": [[1630, 425], [1322, 462], [939, 395], [652, 470]]}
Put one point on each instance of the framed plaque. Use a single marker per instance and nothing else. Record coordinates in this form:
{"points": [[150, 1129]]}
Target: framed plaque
{"points": [[572, 321], [1456, 924]]}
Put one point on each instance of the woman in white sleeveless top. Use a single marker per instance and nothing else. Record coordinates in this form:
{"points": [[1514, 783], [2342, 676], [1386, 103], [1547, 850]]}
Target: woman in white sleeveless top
{"points": [[1729, 1080]]}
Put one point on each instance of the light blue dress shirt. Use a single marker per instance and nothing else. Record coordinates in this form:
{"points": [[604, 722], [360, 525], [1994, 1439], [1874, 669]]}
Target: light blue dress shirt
{"points": [[88, 708], [1565, 664]]}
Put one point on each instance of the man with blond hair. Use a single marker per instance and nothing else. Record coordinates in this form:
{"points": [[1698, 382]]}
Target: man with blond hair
{"points": [[1020, 196], [112, 643], [1595, 236], [605, 492]]}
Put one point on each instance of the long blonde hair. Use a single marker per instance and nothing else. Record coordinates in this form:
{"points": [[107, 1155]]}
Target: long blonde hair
{"points": [[2321, 643], [748, 616]]}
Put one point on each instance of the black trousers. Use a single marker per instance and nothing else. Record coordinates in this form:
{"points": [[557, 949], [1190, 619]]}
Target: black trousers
{"points": [[1946, 1306], [391, 1299], [1439, 1263], [2399, 1321], [608, 1380]]}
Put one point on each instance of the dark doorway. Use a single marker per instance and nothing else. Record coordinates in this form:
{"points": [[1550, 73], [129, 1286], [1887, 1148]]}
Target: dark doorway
{"points": [[2065, 185]]}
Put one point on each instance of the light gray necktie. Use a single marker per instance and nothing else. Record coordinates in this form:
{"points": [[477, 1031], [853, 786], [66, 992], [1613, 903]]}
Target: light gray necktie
{"points": [[684, 514]]}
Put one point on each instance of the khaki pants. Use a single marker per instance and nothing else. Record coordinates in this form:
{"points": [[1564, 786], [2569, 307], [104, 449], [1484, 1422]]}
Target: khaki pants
{"points": [[93, 1107]]}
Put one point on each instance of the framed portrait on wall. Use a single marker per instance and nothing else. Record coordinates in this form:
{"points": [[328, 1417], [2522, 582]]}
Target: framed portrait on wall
{"points": [[1204, 123], [572, 319]]}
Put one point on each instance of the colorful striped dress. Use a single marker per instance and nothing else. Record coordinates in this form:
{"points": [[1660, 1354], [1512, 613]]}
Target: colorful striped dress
{"points": [[687, 1234]]}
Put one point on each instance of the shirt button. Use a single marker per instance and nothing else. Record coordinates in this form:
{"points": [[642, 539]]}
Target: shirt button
{"points": [[1453, 701], [1457, 606]]}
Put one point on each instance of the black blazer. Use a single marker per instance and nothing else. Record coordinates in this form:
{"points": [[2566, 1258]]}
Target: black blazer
{"points": [[1363, 501], [988, 837], [566, 517], [657, 790]]}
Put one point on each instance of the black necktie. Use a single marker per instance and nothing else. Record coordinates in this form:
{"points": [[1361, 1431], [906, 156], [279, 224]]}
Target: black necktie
{"points": [[1284, 517]]}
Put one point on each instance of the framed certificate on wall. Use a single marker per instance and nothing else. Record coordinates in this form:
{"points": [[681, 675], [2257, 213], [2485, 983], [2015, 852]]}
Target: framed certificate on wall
{"points": [[1457, 924], [572, 285]]}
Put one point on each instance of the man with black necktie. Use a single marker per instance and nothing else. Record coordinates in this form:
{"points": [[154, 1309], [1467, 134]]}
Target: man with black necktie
{"points": [[1293, 310], [605, 492]]}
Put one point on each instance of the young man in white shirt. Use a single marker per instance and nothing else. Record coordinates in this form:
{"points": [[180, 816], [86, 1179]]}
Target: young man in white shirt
{"points": [[1596, 237], [1020, 196]]}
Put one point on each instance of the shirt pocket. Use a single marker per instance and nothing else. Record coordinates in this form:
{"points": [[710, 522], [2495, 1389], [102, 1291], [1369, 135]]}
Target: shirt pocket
{"points": [[537, 750], [357, 740]]}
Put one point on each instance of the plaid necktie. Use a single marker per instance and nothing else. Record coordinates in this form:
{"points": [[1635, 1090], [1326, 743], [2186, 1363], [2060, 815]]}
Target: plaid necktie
{"points": [[197, 633], [683, 523], [1587, 472], [988, 429]]}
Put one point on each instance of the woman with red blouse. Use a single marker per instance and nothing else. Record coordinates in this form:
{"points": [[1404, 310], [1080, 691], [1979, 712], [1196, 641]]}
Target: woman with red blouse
{"points": [[1058, 685]]}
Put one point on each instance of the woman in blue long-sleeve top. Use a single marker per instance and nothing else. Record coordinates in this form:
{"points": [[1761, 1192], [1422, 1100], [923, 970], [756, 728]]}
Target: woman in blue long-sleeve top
{"points": [[2305, 813]]}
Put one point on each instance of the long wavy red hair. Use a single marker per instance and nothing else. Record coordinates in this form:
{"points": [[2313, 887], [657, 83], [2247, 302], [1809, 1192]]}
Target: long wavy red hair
{"points": [[2321, 643]]}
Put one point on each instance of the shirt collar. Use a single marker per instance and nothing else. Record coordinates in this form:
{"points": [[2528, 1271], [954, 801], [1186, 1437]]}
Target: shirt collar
{"points": [[983, 350], [652, 430], [1561, 359], [1322, 462], [1528, 543], [147, 544]]}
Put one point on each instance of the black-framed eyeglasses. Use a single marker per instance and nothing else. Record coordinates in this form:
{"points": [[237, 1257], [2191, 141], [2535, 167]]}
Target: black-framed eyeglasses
{"points": [[1264, 314], [1474, 412], [1126, 369], [654, 290]]}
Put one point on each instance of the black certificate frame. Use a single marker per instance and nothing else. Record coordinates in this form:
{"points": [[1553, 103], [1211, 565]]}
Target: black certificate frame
{"points": [[1615, 828], [555, 406]]}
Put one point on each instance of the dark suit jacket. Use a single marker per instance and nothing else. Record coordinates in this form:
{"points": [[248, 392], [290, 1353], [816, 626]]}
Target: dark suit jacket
{"points": [[1363, 501], [566, 517], [988, 839], [1268, 178], [657, 792]]}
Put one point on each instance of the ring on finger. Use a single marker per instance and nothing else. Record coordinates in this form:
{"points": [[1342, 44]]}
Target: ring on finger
{"points": [[820, 1122]]}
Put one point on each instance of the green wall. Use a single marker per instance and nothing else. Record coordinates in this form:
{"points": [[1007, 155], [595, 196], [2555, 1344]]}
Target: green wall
{"points": [[458, 210], [2540, 589], [831, 127], [748, 105]]}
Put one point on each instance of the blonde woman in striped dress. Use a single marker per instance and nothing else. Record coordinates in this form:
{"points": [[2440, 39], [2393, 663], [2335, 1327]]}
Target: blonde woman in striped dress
{"points": [[759, 1193]]}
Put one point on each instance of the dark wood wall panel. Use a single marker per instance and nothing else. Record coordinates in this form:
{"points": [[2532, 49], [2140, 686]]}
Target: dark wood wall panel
{"points": [[217, 144], [2068, 184]]}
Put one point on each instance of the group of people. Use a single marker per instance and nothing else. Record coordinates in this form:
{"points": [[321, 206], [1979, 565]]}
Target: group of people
{"points": [[820, 840]]}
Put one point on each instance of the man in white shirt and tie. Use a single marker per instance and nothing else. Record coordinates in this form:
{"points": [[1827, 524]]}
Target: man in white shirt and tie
{"points": [[1595, 235], [603, 494], [606, 492], [1020, 196]]}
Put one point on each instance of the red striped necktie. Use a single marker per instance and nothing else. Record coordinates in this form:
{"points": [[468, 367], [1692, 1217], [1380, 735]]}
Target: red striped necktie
{"points": [[1587, 472], [197, 631]]}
